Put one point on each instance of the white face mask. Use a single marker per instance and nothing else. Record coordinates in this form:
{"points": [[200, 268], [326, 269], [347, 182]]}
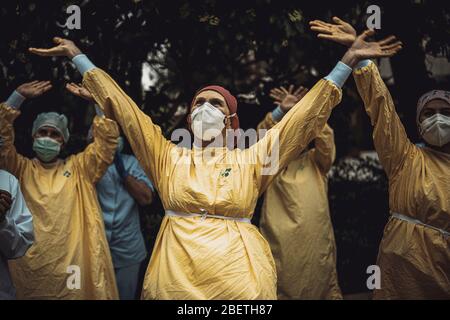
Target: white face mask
{"points": [[207, 122], [436, 130]]}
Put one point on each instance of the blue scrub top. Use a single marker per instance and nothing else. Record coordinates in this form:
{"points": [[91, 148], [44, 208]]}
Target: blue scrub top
{"points": [[16, 233], [121, 214]]}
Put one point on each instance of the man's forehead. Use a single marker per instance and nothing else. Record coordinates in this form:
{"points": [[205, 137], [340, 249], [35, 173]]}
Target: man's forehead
{"points": [[210, 94], [48, 128], [436, 104]]}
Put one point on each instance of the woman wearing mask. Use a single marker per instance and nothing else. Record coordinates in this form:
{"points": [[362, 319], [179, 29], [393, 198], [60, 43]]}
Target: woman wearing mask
{"points": [[206, 247], [414, 255], [70, 257]]}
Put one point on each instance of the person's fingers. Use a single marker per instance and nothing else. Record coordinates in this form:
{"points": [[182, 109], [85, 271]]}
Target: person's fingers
{"points": [[284, 90], [317, 22], [279, 92], [276, 93], [338, 20], [322, 30], [43, 52], [392, 52], [275, 97], [391, 46], [386, 53], [291, 89], [70, 87], [58, 40], [298, 90], [41, 84], [276, 90], [387, 40], [367, 33], [75, 86], [327, 36], [279, 89], [45, 89], [303, 92]]}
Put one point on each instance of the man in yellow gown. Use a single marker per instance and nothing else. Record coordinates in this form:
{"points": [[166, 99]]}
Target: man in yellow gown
{"points": [[295, 217], [206, 247], [414, 254], [70, 257]]}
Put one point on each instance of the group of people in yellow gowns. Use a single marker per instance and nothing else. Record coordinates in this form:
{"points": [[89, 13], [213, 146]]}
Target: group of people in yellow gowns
{"points": [[206, 247]]}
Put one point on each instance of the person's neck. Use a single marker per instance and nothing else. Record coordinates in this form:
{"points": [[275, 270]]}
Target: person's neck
{"points": [[48, 164]]}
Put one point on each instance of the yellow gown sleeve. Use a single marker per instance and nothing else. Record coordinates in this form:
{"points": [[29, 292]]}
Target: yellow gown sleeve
{"points": [[324, 152], [149, 145], [99, 155], [10, 160], [288, 138], [389, 136], [267, 123]]}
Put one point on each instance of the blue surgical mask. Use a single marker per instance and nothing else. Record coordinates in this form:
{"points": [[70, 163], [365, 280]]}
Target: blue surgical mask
{"points": [[46, 148]]}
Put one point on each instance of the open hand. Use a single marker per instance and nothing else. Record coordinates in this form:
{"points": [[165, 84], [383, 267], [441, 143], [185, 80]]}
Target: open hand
{"points": [[362, 49], [80, 91], [287, 98], [64, 47], [340, 32], [34, 89]]}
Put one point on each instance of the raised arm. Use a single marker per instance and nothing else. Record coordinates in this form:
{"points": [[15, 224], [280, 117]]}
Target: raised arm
{"points": [[10, 160], [99, 155], [324, 151], [389, 135], [146, 139], [298, 127], [286, 99]]}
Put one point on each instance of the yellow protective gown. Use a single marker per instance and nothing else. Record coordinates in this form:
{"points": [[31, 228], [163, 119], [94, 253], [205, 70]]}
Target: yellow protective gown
{"points": [[212, 258], [68, 223], [414, 259], [295, 220]]}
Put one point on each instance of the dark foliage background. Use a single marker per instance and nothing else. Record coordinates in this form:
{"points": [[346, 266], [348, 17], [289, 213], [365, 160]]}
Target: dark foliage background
{"points": [[247, 46]]}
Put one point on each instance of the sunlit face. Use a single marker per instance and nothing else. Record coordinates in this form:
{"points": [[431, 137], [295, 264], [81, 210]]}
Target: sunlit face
{"points": [[49, 132], [433, 107]]}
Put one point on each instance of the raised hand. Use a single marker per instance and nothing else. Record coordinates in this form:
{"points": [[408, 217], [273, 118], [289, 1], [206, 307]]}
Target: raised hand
{"points": [[340, 32], [362, 49], [64, 47], [80, 91], [287, 98], [34, 89]]}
